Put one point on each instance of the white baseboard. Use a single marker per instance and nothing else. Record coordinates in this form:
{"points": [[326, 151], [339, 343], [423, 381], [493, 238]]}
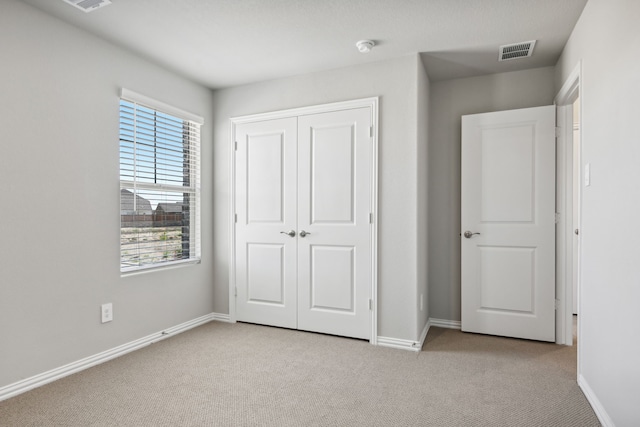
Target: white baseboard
{"points": [[404, 344], [221, 317], [417, 345], [423, 335], [22, 386], [595, 403], [399, 343], [443, 323]]}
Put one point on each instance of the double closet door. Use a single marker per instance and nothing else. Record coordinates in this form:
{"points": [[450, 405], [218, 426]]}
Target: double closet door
{"points": [[303, 192]]}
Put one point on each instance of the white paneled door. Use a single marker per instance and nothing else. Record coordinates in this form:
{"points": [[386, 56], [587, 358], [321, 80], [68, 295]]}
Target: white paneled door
{"points": [[303, 233], [508, 223], [266, 271], [334, 203]]}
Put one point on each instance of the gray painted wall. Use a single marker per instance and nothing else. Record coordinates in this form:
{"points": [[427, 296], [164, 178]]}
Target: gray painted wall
{"points": [[610, 279], [395, 81], [451, 99], [59, 119]]}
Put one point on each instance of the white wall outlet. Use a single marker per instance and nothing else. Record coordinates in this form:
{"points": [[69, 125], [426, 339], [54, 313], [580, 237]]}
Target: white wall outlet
{"points": [[107, 312]]}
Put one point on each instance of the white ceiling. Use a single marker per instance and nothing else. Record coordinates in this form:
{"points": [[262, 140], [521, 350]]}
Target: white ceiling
{"points": [[222, 43]]}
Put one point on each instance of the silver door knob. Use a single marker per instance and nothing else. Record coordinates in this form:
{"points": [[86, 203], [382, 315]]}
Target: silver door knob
{"points": [[290, 233], [577, 231], [469, 234], [304, 233]]}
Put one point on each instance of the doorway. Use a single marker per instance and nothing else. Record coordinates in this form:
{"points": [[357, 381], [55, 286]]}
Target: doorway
{"points": [[508, 200], [568, 207], [304, 209], [576, 202], [568, 183]]}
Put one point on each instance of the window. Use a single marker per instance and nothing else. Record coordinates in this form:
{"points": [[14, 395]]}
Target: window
{"points": [[159, 184]]}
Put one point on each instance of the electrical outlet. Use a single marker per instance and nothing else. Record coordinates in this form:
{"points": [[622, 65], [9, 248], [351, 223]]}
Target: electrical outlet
{"points": [[107, 312]]}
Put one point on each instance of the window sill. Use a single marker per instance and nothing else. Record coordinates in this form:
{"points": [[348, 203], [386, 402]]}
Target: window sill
{"points": [[134, 271]]}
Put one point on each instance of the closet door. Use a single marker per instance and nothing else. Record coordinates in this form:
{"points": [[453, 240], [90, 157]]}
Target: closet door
{"points": [[334, 231], [266, 162]]}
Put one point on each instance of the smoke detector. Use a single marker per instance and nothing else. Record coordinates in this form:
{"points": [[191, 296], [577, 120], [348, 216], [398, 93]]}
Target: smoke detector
{"points": [[365, 46], [516, 50], [88, 5]]}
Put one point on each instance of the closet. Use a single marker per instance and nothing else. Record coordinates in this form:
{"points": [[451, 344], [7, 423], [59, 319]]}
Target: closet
{"points": [[303, 222]]}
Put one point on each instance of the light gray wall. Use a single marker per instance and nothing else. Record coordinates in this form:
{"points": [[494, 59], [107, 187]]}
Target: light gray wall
{"points": [[395, 81], [610, 278], [59, 215], [422, 163], [451, 99]]}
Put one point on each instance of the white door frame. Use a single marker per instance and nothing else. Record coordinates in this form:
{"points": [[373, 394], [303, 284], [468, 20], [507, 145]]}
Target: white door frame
{"points": [[565, 184], [372, 103]]}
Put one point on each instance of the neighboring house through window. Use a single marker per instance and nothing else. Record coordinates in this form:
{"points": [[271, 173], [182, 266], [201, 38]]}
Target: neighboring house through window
{"points": [[159, 184]]}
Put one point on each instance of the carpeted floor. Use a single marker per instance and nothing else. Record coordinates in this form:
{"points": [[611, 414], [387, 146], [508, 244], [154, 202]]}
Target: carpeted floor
{"points": [[247, 375]]}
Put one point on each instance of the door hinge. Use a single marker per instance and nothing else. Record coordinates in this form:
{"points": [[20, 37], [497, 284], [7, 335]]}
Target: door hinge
{"points": [[557, 304], [370, 304], [235, 292], [557, 130], [371, 218], [235, 218], [235, 146], [370, 131], [557, 218]]}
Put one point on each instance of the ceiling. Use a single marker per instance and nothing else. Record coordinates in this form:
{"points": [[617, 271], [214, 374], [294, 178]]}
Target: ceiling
{"points": [[221, 43]]}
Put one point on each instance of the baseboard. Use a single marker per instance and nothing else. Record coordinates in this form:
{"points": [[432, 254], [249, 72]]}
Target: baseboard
{"points": [[221, 317], [423, 335], [443, 323], [399, 344], [417, 345], [25, 385], [601, 413]]}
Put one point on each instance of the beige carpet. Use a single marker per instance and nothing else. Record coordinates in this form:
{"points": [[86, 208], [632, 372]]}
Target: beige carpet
{"points": [[246, 375]]}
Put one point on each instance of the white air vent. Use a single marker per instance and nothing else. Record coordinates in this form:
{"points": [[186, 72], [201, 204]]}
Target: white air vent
{"points": [[516, 50], [88, 5]]}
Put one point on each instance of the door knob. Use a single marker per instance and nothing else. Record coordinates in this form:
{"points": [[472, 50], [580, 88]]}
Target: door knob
{"points": [[304, 233], [577, 231], [469, 234], [290, 233]]}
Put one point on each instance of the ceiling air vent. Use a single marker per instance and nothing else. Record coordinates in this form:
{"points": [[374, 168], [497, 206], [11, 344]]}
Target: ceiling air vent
{"points": [[88, 5], [516, 50]]}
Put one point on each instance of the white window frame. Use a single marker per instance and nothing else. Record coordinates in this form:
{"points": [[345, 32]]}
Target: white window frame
{"points": [[194, 187]]}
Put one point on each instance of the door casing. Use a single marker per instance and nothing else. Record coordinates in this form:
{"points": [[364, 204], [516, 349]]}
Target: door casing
{"points": [[372, 103], [564, 235]]}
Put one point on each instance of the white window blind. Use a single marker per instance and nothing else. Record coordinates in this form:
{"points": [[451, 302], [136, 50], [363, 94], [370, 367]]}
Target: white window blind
{"points": [[159, 184]]}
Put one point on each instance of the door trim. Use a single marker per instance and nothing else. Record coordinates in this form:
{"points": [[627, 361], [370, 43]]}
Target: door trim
{"points": [[372, 103], [564, 286]]}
